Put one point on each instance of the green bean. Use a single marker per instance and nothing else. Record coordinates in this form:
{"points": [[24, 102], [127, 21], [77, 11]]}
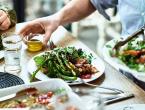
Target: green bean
{"points": [[62, 76], [66, 62]]}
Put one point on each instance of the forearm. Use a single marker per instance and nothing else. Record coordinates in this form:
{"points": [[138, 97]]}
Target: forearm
{"points": [[75, 11]]}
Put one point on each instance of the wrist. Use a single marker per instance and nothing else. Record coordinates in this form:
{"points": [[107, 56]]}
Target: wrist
{"points": [[60, 16]]}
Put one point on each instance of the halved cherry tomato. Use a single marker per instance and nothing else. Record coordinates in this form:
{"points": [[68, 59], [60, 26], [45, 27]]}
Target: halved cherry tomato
{"points": [[50, 94], [44, 98], [86, 76], [141, 59], [21, 105]]}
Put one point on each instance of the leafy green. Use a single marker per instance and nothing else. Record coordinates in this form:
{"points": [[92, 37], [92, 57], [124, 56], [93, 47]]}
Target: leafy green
{"points": [[132, 60], [59, 63], [39, 60]]}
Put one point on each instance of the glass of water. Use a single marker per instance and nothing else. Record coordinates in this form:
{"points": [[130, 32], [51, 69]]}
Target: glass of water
{"points": [[91, 99], [12, 51], [93, 102]]}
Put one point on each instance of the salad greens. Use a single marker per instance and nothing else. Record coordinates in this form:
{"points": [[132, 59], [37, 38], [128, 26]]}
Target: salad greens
{"points": [[61, 63], [133, 54]]}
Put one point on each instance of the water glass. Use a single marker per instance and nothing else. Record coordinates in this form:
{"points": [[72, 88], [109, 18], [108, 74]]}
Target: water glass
{"points": [[93, 101], [12, 52]]}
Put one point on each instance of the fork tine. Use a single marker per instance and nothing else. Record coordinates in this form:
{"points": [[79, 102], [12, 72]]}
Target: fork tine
{"points": [[51, 45]]}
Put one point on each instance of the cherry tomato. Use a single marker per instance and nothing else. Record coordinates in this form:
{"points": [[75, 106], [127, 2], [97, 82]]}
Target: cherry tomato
{"points": [[44, 98], [21, 105], [50, 94], [86, 76]]}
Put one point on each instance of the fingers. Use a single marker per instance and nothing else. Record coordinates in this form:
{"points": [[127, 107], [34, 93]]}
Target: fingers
{"points": [[3, 17], [1, 12], [31, 27], [25, 29], [5, 25], [46, 37], [4, 21]]}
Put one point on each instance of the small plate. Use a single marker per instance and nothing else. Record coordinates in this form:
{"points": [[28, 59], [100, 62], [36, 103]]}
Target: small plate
{"points": [[131, 107], [97, 62], [8, 80]]}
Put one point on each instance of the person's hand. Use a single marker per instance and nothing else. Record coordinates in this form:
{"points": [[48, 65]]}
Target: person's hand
{"points": [[46, 25], [4, 20]]}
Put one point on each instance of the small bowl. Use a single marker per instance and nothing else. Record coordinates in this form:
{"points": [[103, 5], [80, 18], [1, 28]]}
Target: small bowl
{"points": [[33, 42]]}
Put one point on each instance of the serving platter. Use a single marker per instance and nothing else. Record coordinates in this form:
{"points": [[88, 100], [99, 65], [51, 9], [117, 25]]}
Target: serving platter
{"points": [[96, 62], [118, 64]]}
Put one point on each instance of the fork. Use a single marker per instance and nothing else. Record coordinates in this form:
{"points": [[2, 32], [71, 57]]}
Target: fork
{"points": [[107, 88], [51, 45]]}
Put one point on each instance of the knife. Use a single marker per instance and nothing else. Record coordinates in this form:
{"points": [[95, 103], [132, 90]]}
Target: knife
{"points": [[119, 97], [28, 91]]}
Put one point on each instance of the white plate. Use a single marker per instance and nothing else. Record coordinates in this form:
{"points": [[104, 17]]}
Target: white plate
{"points": [[52, 84], [43, 86], [97, 62], [130, 107], [118, 64]]}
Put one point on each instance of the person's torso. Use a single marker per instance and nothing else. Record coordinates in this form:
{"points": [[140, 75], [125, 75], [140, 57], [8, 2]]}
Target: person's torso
{"points": [[132, 15]]}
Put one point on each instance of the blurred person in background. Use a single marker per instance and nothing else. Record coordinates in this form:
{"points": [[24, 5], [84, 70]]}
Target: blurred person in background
{"points": [[7, 17], [132, 14]]}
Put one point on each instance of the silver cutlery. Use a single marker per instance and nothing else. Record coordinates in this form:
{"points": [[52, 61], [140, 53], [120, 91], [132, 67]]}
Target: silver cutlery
{"points": [[134, 35], [119, 97], [83, 91], [51, 45], [108, 88], [107, 99]]}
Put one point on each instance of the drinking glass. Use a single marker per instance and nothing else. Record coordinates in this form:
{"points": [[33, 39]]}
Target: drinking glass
{"points": [[93, 101], [12, 52]]}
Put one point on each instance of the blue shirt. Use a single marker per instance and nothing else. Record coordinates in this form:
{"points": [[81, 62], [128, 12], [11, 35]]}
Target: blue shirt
{"points": [[132, 13]]}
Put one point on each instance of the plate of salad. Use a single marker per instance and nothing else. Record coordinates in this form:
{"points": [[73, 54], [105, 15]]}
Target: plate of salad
{"points": [[69, 63], [130, 57]]}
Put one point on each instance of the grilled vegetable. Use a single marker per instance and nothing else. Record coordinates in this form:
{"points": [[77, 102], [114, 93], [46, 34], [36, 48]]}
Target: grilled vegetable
{"points": [[63, 63]]}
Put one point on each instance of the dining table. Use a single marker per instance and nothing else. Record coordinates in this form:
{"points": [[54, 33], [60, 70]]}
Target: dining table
{"points": [[110, 78]]}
